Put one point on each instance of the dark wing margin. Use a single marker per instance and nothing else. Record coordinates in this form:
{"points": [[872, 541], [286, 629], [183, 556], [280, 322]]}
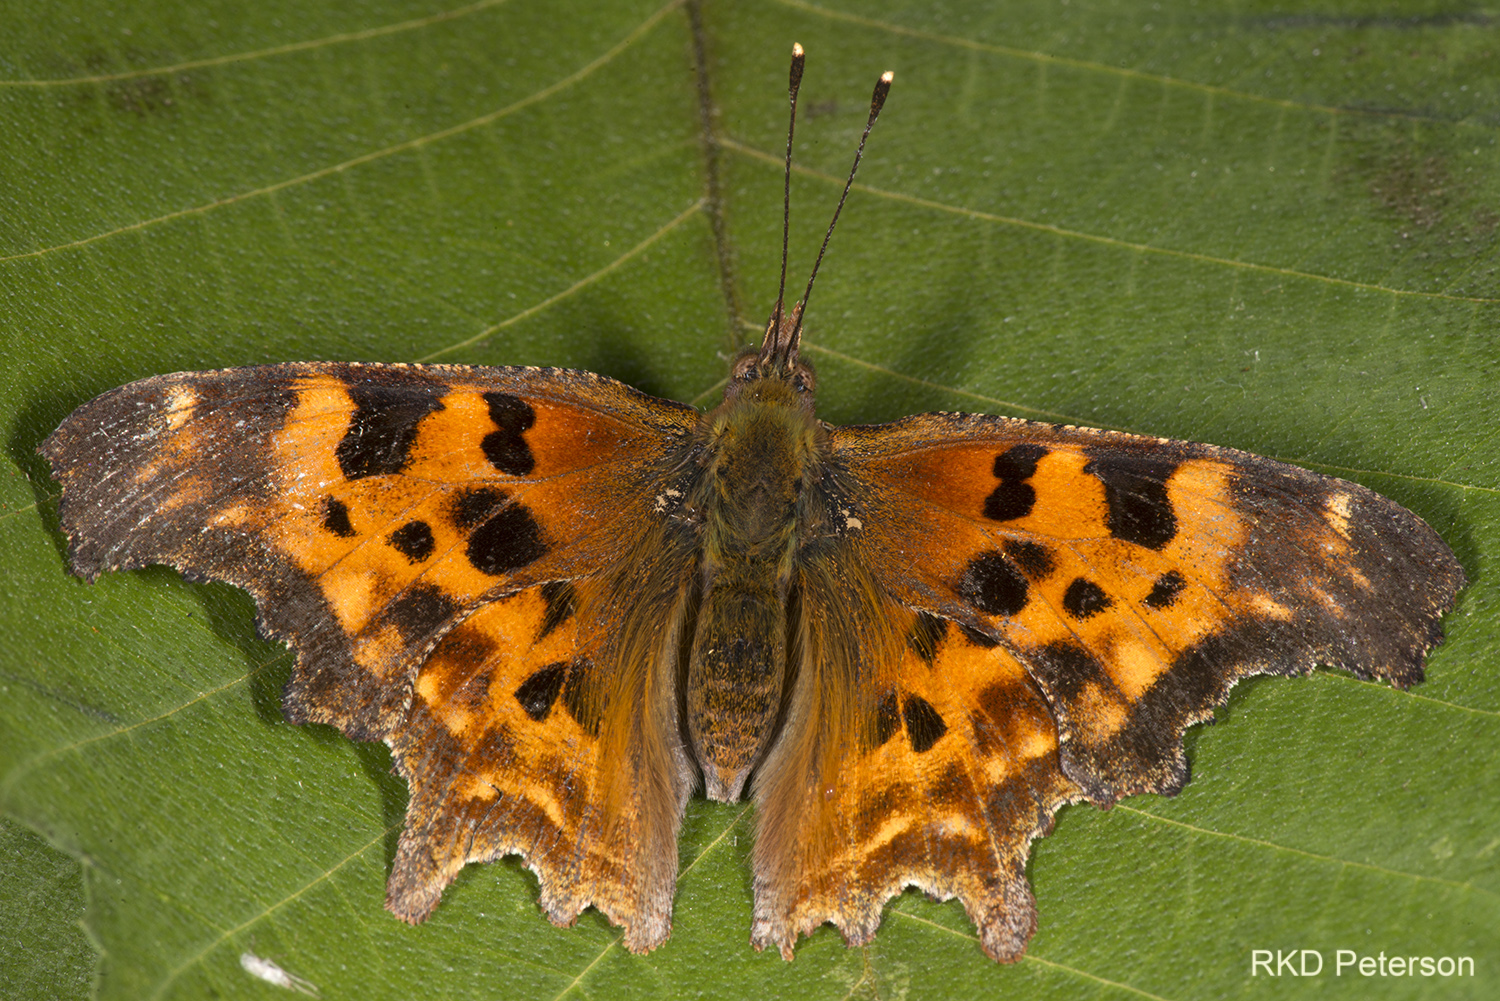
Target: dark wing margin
{"points": [[146, 470], [528, 735], [1328, 573]]}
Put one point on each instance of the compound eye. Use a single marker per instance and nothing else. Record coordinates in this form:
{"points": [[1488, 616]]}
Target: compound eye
{"points": [[744, 366], [803, 379]]}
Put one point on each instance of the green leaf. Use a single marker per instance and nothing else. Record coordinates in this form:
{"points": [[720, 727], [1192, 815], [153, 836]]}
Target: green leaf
{"points": [[43, 953], [1220, 222]]}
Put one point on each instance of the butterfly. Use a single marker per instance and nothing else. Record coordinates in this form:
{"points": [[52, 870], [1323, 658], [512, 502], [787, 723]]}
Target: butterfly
{"points": [[565, 605]]}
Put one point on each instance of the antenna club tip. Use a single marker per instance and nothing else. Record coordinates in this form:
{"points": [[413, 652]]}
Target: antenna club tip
{"points": [[882, 88], [796, 51]]}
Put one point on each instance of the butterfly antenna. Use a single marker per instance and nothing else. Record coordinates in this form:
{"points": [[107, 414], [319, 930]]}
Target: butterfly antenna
{"points": [[877, 101], [798, 61]]}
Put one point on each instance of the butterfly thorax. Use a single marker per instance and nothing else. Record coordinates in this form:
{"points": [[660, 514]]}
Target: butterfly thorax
{"points": [[757, 447]]}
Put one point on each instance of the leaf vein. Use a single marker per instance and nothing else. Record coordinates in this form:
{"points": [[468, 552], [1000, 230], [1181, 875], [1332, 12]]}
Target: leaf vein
{"points": [[274, 50], [1075, 422], [1033, 958], [577, 286], [1125, 73], [402, 147], [29, 765], [1262, 843], [265, 912], [1108, 241]]}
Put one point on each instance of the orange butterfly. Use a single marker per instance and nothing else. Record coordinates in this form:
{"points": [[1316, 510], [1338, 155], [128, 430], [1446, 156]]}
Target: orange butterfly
{"points": [[563, 603]]}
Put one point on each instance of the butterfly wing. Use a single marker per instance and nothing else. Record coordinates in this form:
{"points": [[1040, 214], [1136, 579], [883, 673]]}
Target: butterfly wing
{"points": [[1062, 604], [914, 753], [1139, 579], [529, 734], [436, 543]]}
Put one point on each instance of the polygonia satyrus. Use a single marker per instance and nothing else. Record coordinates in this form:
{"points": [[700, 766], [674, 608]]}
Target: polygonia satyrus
{"points": [[563, 603]]}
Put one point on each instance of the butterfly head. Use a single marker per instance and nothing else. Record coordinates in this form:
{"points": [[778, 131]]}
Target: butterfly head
{"points": [[774, 371]]}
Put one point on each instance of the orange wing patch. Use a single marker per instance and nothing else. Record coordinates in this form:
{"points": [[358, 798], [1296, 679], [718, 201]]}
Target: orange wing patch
{"points": [[410, 503], [562, 603]]}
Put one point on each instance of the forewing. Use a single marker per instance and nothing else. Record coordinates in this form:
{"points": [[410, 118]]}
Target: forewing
{"points": [[1137, 579], [367, 508]]}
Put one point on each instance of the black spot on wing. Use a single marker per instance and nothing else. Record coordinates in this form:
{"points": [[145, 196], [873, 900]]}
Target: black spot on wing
{"points": [[988, 736], [420, 610], [1084, 598], [506, 446], [951, 789], [1034, 559], [413, 540], [1008, 715], [1014, 497], [923, 724], [336, 518], [1164, 592], [538, 692], [562, 602], [1064, 668], [993, 584], [1146, 755], [471, 508], [509, 540], [380, 434], [1005, 703], [926, 633], [1135, 493], [887, 718], [466, 646]]}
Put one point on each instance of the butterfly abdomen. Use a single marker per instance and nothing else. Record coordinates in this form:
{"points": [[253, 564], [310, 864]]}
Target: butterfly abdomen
{"points": [[758, 448]]}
